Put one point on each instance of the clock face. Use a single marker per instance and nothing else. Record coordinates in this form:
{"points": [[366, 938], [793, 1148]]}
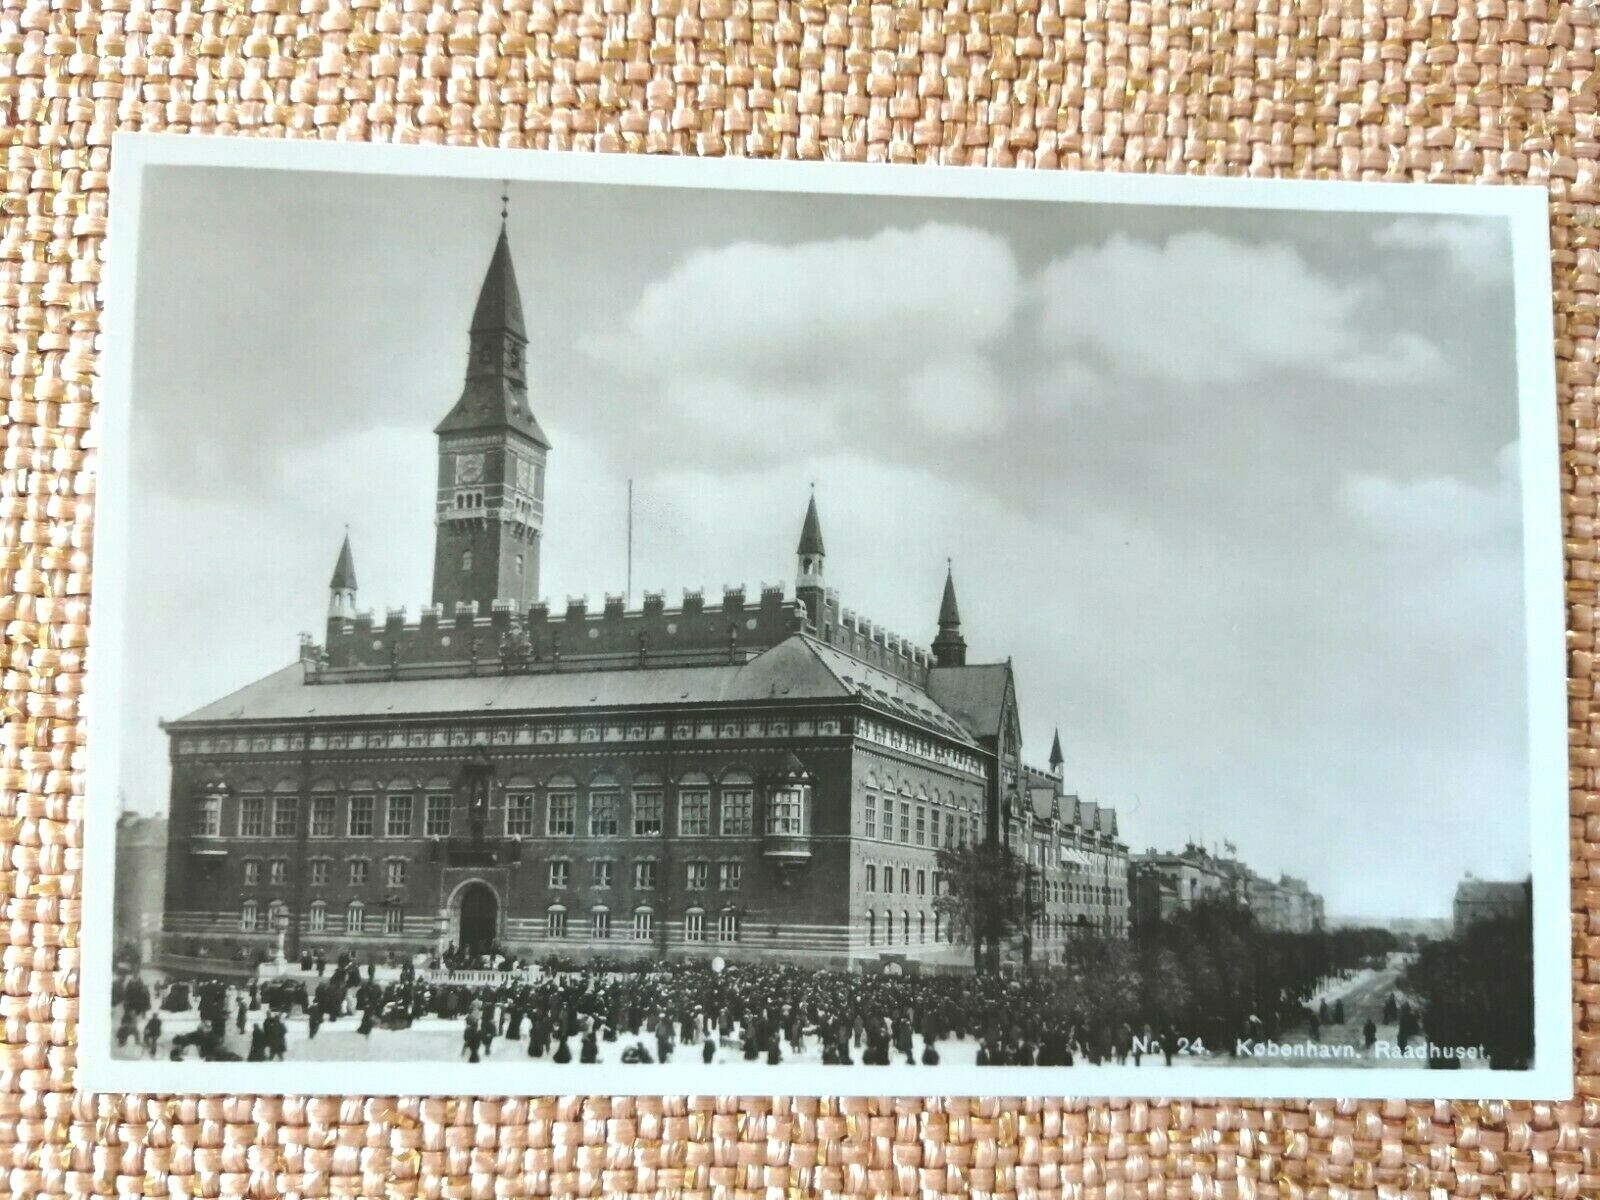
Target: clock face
{"points": [[469, 468]]}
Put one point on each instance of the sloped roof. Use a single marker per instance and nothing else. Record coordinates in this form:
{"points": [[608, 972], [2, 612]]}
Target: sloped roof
{"points": [[975, 695], [798, 668]]}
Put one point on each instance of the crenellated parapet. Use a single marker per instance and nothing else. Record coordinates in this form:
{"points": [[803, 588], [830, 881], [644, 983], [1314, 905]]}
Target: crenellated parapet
{"points": [[870, 642], [468, 641]]}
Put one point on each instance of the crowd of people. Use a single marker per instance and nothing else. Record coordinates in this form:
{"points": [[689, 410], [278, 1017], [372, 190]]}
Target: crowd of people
{"points": [[764, 1012]]}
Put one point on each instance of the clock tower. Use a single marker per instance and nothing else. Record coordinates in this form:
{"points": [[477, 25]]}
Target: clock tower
{"points": [[489, 511]]}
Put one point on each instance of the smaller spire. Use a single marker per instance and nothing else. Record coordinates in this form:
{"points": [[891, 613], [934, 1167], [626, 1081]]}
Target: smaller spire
{"points": [[344, 571], [1056, 757], [505, 202], [811, 531], [949, 611]]}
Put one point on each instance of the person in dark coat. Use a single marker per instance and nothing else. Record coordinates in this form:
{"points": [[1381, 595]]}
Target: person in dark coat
{"points": [[152, 1034], [590, 1051], [240, 1016], [258, 1045], [1369, 1034], [563, 1052], [708, 1051]]}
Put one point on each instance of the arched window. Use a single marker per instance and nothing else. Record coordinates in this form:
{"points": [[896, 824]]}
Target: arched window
{"points": [[555, 921], [905, 924], [922, 927], [644, 922], [888, 928], [466, 560], [248, 916], [938, 927], [728, 926], [872, 928], [600, 922], [694, 925], [355, 917], [317, 917]]}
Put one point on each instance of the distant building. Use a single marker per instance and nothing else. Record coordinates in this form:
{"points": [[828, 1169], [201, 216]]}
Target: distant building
{"points": [[1165, 882], [1490, 899], [140, 882], [1081, 863]]}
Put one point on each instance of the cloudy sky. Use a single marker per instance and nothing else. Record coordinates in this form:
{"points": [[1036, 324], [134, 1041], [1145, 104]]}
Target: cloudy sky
{"points": [[1236, 490]]}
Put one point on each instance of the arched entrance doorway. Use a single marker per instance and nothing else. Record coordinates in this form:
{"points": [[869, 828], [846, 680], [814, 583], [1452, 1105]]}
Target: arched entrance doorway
{"points": [[480, 918]]}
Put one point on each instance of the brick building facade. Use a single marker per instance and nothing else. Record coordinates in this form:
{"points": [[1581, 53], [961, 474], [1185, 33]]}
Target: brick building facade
{"points": [[765, 776]]}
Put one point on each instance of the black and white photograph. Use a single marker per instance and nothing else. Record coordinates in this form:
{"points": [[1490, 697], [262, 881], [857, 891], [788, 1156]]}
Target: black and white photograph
{"points": [[566, 624]]}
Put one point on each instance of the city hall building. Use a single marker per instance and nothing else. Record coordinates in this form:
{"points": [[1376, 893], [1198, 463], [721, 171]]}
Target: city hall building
{"points": [[761, 775]]}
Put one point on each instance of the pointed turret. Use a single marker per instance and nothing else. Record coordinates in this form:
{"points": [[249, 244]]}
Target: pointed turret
{"points": [[808, 588], [811, 532], [949, 648], [342, 587], [1057, 759], [499, 307]]}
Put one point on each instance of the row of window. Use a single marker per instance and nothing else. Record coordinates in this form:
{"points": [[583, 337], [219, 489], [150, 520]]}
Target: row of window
{"points": [[1083, 893], [253, 918], [882, 926], [882, 878], [321, 871], [1064, 926], [608, 815], [602, 872], [890, 819]]}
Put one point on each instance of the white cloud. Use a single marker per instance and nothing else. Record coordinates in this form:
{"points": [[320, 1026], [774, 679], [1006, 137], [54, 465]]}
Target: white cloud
{"points": [[1477, 249], [776, 309], [955, 394], [1440, 509], [1201, 308]]}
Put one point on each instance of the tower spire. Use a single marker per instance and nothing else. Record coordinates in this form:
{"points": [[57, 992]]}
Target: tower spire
{"points": [[809, 557], [1057, 759], [949, 648], [342, 587]]}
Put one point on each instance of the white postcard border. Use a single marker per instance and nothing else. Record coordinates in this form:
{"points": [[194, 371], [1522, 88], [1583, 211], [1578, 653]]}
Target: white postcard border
{"points": [[1525, 209]]}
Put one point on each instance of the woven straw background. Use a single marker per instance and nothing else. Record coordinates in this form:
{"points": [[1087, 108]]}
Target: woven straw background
{"points": [[1397, 89]]}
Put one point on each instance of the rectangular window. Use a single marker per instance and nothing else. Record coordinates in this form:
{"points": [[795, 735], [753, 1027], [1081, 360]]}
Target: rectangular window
{"points": [[253, 816], [738, 813], [358, 871], [319, 872], [603, 814], [208, 821], [355, 918], [283, 816], [871, 830], [694, 814], [728, 927], [872, 878], [949, 830], [729, 876], [278, 870], [783, 812], [248, 916], [699, 876], [559, 818], [602, 872], [555, 923], [393, 919], [322, 816], [905, 822], [394, 874], [398, 821], [647, 809], [252, 872], [644, 875], [519, 814], [922, 883], [436, 820], [600, 924], [922, 825], [643, 925], [694, 926], [560, 873], [905, 881], [361, 816], [318, 917], [888, 881]]}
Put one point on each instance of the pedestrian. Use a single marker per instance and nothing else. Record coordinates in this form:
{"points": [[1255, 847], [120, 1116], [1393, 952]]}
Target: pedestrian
{"points": [[1369, 1034], [152, 1034]]}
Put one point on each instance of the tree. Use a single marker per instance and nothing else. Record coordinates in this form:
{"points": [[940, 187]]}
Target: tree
{"points": [[984, 897]]}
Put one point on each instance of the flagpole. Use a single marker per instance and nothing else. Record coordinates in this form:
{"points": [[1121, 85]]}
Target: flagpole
{"points": [[627, 600]]}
